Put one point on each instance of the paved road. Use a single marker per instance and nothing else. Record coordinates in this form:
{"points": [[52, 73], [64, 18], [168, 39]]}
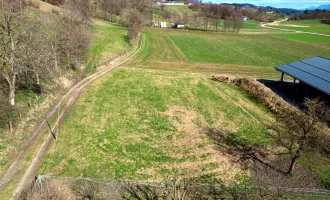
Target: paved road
{"points": [[293, 31]]}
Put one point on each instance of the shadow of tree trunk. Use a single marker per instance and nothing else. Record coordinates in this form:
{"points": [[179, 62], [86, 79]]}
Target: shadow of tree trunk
{"points": [[268, 169]]}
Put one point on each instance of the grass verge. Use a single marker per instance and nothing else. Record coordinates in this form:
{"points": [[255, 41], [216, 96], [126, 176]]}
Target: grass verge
{"points": [[109, 41]]}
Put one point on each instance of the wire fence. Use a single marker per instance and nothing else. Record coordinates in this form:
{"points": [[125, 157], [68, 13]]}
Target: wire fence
{"points": [[115, 189]]}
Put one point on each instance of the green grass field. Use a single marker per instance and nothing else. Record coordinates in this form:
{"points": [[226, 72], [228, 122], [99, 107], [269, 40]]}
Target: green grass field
{"points": [[308, 38], [109, 41], [150, 119], [150, 124], [253, 55], [312, 26], [251, 24]]}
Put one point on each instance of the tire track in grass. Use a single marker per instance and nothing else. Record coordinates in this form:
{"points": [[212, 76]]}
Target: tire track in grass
{"points": [[68, 99]]}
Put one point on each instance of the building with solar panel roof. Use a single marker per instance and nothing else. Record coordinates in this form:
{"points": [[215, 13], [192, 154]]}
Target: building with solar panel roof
{"points": [[311, 75]]}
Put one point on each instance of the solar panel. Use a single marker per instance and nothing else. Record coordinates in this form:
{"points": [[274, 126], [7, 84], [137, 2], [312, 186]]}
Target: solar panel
{"points": [[318, 62], [312, 71]]}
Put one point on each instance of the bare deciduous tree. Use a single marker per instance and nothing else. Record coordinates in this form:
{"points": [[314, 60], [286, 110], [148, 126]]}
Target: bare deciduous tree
{"points": [[135, 21], [34, 49], [78, 11], [11, 32], [136, 15], [297, 131], [162, 6]]}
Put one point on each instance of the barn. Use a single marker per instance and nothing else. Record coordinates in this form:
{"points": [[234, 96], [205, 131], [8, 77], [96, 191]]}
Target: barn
{"points": [[311, 77]]}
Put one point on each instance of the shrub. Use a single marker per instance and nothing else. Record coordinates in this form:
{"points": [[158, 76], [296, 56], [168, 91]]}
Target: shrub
{"points": [[263, 94], [33, 4], [47, 189]]}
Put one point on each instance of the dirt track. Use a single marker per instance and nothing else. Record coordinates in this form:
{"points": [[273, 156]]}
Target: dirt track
{"points": [[288, 30], [66, 102]]}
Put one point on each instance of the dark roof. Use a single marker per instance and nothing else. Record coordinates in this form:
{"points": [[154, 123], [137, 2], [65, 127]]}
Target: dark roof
{"points": [[314, 72]]}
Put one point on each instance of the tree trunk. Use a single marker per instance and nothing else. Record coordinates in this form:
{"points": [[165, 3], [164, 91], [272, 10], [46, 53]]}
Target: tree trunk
{"points": [[37, 77], [10, 125], [293, 164], [11, 92], [12, 77], [216, 25], [55, 55]]}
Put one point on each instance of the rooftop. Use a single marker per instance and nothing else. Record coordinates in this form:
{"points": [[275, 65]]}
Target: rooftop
{"points": [[314, 72]]}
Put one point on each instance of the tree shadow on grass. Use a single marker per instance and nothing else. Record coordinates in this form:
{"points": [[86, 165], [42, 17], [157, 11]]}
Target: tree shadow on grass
{"points": [[126, 38], [325, 22], [267, 168]]}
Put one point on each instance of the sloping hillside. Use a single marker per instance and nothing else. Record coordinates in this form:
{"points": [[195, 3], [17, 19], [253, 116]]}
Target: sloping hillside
{"points": [[43, 6]]}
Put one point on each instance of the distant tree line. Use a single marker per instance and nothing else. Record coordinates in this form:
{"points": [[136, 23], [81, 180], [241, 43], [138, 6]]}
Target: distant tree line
{"points": [[311, 15], [224, 11], [230, 16]]}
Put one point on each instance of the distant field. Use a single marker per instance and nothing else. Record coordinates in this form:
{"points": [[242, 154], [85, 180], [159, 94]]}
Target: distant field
{"points": [[269, 16], [180, 10], [312, 26], [109, 41], [305, 38], [175, 11], [253, 55], [150, 124], [251, 24]]}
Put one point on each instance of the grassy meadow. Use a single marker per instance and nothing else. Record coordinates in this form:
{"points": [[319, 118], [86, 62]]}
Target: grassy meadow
{"points": [[150, 124], [109, 41], [251, 24], [180, 10], [308, 38], [253, 55], [151, 118], [312, 26]]}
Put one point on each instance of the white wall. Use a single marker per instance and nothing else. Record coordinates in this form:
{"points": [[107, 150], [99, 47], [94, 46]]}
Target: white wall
{"points": [[163, 24], [171, 4]]}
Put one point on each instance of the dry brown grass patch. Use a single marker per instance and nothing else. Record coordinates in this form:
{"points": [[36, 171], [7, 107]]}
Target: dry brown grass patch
{"points": [[48, 189], [192, 142]]}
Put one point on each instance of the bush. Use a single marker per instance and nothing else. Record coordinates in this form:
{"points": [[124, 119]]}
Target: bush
{"points": [[47, 189], [33, 4], [263, 94], [55, 11]]}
